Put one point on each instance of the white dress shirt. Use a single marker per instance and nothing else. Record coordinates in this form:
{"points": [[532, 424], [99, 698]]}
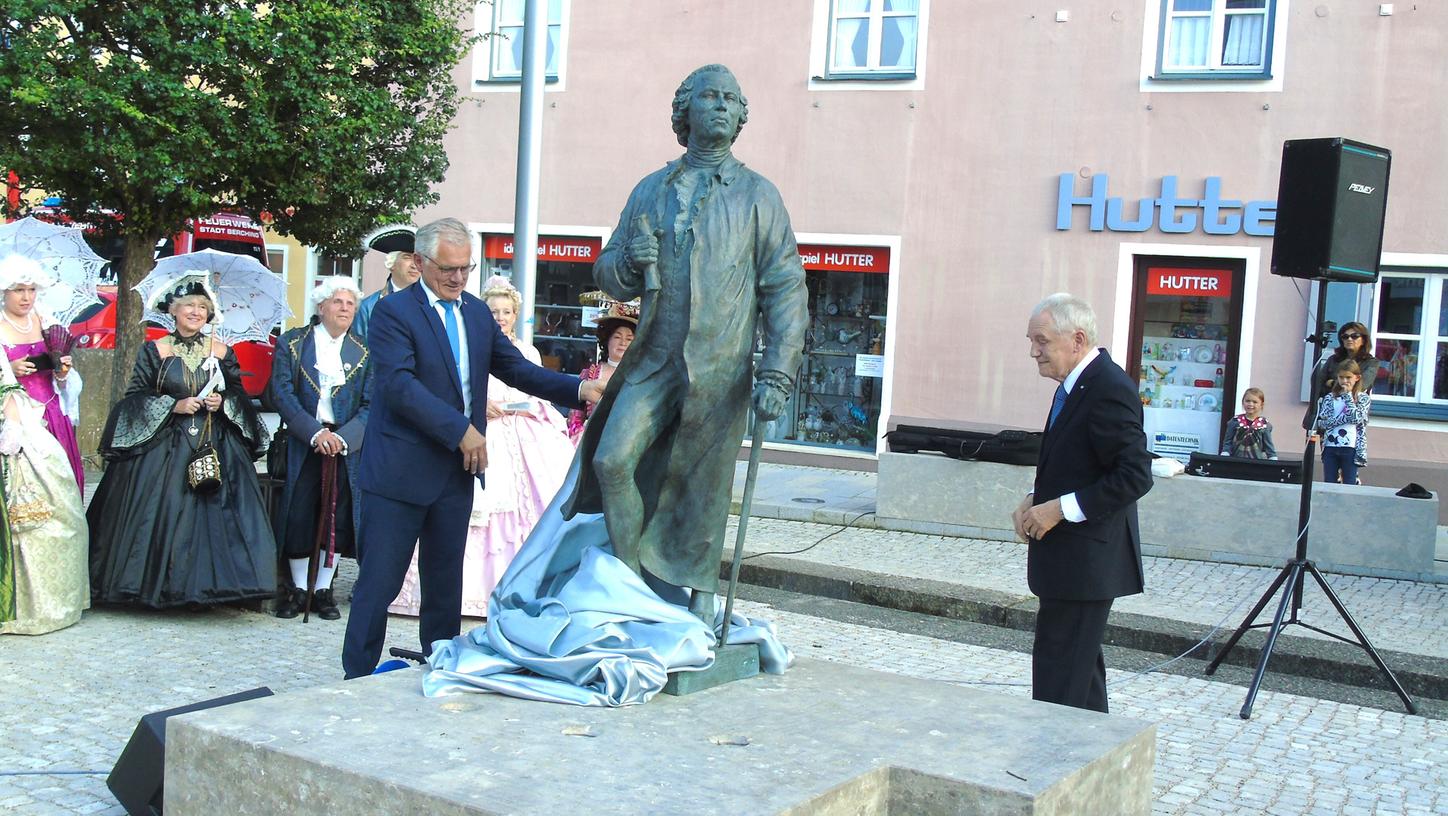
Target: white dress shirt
{"points": [[1070, 508], [464, 369], [330, 376]]}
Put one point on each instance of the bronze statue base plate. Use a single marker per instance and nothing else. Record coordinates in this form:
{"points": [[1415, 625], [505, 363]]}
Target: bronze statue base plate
{"points": [[734, 662]]}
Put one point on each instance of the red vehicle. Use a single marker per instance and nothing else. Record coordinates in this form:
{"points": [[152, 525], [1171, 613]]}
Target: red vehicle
{"points": [[227, 232]]}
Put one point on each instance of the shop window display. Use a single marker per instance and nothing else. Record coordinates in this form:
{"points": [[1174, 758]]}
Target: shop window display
{"points": [[1185, 333], [562, 328], [837, 395]]}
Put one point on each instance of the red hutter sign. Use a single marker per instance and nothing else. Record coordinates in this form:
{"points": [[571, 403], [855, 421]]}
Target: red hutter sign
{"points": [[1188, 282], [831, 258], [550, 248]]}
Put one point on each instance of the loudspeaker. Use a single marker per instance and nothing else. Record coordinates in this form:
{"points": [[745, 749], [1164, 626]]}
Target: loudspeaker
{"points": [[1331, 201], [137, 778]]}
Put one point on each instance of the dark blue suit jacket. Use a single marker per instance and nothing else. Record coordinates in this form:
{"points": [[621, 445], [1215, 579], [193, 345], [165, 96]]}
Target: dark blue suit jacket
{"points": [[417, 418], [294, 390], [1096, 449]]}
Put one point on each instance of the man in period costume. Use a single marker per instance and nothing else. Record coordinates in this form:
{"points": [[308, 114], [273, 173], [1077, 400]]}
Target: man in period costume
{"points": [[321, 384], [398, 242], [1084, 546], [708, 245]]}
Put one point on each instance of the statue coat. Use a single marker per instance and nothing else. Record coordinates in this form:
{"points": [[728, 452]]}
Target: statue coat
{"points": [[744, 272]]}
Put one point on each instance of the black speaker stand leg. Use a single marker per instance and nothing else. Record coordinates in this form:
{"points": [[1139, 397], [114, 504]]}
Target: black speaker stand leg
{"points": [[1247, 623], [1362, 640]]}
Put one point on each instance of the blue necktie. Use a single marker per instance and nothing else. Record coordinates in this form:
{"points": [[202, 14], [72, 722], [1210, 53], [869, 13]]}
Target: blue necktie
{"points": [[450, 322], [1057, 403]]}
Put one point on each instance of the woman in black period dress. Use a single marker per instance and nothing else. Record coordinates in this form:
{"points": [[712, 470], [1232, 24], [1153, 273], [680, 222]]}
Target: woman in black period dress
{"points": [[154, 540]]}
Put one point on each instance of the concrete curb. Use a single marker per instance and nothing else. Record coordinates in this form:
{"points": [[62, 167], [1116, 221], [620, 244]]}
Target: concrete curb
{"points": [[1334, 661]]}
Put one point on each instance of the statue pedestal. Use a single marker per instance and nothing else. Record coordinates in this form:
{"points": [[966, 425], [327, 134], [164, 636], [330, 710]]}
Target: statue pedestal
{"points": [[820, 739], [737, 662]]}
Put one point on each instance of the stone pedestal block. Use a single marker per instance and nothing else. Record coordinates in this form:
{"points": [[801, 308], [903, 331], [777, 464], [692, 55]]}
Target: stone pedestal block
{"points": [[820, 739]]}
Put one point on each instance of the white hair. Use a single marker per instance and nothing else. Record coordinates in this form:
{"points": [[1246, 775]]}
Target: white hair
{"points": [[21, 270], [1070, 314], [334, 284], [444, 230]]}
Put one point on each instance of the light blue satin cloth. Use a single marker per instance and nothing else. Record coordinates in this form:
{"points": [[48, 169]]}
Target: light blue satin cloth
{"points": [[570, 623]]}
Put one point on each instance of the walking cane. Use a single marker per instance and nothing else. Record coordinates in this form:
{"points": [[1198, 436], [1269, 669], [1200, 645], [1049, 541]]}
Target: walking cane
{"points": [[326, 524], [756, 444]]}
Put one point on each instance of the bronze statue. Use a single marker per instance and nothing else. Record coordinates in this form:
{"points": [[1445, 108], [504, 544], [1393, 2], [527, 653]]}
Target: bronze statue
{"points": [[707, 243]]}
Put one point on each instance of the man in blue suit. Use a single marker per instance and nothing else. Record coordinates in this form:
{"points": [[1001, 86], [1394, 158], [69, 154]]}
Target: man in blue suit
{"points": [[433, 346]]}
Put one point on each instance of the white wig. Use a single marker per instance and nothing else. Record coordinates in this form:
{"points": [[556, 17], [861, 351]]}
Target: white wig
{"points": [[21, 270], [334, 284]]}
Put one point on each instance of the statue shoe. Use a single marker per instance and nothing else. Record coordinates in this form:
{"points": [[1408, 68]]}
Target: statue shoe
{"points": [[289, 605], [325, 605]]}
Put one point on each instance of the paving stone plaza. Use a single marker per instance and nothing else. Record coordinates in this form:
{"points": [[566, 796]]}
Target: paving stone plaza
{"points": [[74, 696]]}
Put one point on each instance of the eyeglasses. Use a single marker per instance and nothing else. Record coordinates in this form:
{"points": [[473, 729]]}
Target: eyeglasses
{"points": [[450, 271], [1351, 336]]}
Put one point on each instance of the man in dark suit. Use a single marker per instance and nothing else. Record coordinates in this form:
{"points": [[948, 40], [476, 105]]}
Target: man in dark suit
{"points": [[1084, 548], [433, 346]]}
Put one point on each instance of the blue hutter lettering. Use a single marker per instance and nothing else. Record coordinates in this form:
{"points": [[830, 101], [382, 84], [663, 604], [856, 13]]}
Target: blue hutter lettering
{"points": [[1169, 211]]}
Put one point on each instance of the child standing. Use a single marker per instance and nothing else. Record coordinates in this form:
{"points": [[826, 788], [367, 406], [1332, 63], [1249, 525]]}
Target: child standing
{"points": [[1341, 423], [1249, 434]]}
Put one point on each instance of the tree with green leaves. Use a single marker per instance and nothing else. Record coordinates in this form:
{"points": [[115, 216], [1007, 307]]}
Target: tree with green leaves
{"points": [[328, 115]]}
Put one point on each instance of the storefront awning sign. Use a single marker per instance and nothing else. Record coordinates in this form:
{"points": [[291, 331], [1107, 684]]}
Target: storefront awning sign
{"points": [[836, 258], [569, 249], [1188, 282]]}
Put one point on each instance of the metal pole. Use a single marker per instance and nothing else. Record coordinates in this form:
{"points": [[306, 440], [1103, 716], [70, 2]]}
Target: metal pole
{"points": [[530, 137], [756, 444]]}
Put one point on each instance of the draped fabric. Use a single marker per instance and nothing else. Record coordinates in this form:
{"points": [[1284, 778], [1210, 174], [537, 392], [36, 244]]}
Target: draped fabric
{"points": [[850, 44], [43, 585], [572, 624], [154, 541]]}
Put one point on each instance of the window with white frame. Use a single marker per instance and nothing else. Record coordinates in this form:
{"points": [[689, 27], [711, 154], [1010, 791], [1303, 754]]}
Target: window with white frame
{"points": [[1410, 336], [505, 39], [873, 39], [1216, 39]]}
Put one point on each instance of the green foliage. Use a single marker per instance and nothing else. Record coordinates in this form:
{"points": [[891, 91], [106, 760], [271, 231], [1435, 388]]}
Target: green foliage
{"points": [[165, 110]]}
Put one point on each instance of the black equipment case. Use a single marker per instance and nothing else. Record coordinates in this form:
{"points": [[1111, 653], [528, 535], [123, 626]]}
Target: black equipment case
{"points": [[1286, 471], [1010, 447]]}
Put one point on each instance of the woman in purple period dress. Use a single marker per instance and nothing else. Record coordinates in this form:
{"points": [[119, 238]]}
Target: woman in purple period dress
{"points": [[55, 387]]}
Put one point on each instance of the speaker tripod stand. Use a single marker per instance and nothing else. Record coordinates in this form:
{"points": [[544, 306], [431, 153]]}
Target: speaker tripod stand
{"points": [[1294, 573]]}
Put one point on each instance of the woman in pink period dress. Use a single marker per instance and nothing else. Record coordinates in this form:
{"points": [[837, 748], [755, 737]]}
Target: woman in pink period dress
{"points": [[528, 457], [616, 326], [56, 388]]}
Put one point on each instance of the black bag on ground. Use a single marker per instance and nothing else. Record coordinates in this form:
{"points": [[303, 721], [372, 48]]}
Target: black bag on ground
{"points": [[1009, 447], [1287, 471]]}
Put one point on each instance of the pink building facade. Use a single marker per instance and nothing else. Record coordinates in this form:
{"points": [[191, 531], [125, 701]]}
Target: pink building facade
{"points": [[947, 164]]}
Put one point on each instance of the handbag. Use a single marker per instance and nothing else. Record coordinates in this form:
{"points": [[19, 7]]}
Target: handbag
{"points": [[276, 454], [25, 504], [203, 468]]}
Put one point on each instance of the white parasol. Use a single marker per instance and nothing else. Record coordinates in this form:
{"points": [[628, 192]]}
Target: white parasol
{"points": [[64, 256], [251, 299]]}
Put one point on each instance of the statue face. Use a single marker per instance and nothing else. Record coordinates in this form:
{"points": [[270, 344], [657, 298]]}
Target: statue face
{"points": [[714, 109]]}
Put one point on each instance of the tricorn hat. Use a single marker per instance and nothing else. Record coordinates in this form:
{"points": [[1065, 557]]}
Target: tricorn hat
{"points": [[392, 238]]}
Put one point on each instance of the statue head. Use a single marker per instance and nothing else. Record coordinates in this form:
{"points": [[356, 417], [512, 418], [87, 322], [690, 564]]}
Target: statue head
{"points": [[684, 97]]}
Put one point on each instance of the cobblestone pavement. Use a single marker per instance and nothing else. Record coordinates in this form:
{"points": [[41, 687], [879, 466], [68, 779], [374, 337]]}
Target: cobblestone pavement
{"points": [[73, 697], [1399, 615]]}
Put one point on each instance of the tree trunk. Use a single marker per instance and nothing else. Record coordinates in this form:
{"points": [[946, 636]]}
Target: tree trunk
{"points": [[130, 332]]}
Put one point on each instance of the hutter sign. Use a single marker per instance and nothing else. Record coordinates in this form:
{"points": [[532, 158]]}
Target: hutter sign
{"points": [[1168, 212]]}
